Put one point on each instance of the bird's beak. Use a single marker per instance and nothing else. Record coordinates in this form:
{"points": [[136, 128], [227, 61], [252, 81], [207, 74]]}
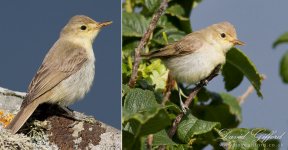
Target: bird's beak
{"points": [[238, 42], [103, 24]]}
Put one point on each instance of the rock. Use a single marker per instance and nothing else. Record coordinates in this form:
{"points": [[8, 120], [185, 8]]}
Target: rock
{"points": [[46, 129]]}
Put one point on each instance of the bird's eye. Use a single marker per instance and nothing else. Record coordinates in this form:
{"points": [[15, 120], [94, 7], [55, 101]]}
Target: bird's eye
{"points": [[83, 27], [223, 35]]}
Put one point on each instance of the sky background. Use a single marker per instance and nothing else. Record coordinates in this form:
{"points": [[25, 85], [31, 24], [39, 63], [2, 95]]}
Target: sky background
{"points": [[28, 29], [258, 24]]}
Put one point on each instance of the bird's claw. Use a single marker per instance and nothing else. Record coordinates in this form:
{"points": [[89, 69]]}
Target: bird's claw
{"points": [[184, 108], [204, 82]]}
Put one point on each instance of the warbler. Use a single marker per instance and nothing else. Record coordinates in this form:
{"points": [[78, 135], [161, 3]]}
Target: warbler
{"points": [[195, 56], [67, 71]]}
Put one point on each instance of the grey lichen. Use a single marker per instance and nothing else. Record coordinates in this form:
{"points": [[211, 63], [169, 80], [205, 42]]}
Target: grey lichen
{"points": [[108, 140], [55, 132], [20, 141]]}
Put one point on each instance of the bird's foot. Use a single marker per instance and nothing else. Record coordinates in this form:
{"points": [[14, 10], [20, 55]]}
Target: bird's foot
{"points": [[84, 118], [204, 82], [184, 108], [76, 115]]}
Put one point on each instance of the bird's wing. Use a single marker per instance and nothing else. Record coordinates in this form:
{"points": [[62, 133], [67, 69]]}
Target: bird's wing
{"points": [[185, 46], [63, 60]]}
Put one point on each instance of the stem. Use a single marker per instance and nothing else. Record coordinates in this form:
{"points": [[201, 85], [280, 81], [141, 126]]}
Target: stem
{"points": [[241, 99], [144, 41], [169, 85]]}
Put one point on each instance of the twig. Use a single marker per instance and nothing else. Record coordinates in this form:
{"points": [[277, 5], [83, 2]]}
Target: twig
{"points": [[241, 99], [188, 101], [144, 40], [169, 85], [149, 141]]}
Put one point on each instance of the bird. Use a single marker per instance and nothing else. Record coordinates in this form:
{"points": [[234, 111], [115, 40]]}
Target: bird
{"points": [[195, 56], [67, 71]]}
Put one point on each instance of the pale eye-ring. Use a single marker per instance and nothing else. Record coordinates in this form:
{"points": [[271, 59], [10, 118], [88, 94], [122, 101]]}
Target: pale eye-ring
{"points": [[83, 27], [223, 35]]}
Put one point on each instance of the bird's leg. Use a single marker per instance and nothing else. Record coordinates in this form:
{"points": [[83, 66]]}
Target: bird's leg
{"points": [[76, 115], [183, 107], [68, 113]]}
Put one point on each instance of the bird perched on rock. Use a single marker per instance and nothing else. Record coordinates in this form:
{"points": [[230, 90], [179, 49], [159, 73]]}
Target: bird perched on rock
{"points": [[67, 71]]}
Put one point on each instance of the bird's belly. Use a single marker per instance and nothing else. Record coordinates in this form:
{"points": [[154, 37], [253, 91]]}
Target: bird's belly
{"points": [[76, 86], [194, 67]]}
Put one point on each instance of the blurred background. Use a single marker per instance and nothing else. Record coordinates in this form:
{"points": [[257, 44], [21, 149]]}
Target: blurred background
{"points": [[29, 29], [258, 24]]}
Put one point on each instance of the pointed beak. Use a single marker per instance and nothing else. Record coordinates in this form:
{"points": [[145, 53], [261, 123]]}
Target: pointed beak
{"points": [[103, 24], [238, 42]]}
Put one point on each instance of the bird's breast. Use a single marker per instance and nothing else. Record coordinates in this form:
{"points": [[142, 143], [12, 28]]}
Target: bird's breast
{"points": [[196, 66], [77, 85]]}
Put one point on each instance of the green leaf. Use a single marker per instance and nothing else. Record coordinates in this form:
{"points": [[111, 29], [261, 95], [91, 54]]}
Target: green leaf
{"points": [[284, 68], [127, 138], [177, 11], [240, 61], [128, 49], [129, 5], [232, 76], [267, 139], [138, 100], [173, 35], [234, 107], [133, 25], [190, 126], [164, 22], [125, 89], [179, 147], [238, 139], [282, 39], [185, 25], [223, 108], [162, 138], [155, 73], [142, 112], [152, 5]]}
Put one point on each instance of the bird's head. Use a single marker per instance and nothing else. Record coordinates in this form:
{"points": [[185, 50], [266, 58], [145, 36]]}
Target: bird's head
{"points": [[225, 35], [83, 27]]}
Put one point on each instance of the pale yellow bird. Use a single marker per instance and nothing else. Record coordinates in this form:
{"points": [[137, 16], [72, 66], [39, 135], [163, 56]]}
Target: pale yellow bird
{"points": [[67, 72], [195, 56]]}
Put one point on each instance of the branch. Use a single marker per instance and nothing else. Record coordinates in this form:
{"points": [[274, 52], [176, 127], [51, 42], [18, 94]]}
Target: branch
{"points": [[45, 130], [170, 83], [144, 40], [188, 101], [241, 99], [149, 141]]}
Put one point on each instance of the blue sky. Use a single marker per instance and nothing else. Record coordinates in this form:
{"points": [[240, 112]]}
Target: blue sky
{"points": [[28, 29]]}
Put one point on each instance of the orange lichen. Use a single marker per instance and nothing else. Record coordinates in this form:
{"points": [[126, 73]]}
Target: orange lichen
{"points": [[5, 119]]}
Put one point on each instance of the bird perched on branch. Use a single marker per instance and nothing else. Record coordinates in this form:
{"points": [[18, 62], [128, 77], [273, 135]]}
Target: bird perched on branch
{"points": [[194, 57]]}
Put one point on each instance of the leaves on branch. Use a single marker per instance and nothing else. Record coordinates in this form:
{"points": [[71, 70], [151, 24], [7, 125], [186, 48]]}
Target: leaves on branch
{"points": [[281, 40], [243, 64], [284, 68], [211, 112]]}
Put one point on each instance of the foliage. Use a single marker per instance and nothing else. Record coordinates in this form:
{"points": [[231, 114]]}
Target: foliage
{"points": [[284, 61], [210, 113]]}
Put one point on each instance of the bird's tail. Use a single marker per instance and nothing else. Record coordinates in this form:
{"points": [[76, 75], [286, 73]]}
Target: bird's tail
{"points": [[22, 116]]}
